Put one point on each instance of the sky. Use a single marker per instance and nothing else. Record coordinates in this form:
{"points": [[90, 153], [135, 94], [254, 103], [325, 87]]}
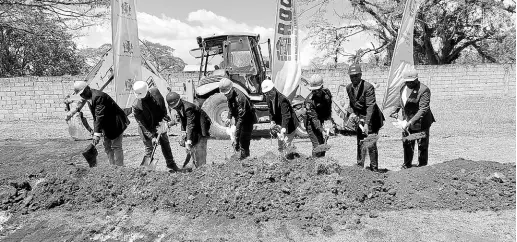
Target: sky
{"points": [[177, 25]]}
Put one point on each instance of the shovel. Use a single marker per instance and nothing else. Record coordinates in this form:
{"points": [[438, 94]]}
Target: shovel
{"points": [[90, 154], [413, 136], [150, 162], [187, 159], [324, 147], [409, 137]]}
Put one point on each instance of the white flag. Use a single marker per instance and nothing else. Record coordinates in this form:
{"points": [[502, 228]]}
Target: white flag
{"points": [[127, 59], [403, 54], [286, 66]]}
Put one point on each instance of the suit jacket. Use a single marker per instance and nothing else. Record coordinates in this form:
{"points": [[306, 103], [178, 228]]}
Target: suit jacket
{"points": [[240, 108], [314, 108], [193, 120], [108, 117], [417, 110], [282, 113], [150, 111], [364, 105]]}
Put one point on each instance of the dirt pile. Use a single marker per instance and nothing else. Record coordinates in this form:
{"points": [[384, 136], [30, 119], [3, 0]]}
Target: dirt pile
{"points": [[313, 192]]}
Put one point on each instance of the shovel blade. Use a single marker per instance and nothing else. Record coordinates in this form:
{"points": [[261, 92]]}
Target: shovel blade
{"points": [[322, 148], [414, 136], [90, 154], [148, 163]]}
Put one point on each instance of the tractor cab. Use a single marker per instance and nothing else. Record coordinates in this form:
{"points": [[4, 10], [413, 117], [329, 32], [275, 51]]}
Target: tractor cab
{"points": [[238, 54]]}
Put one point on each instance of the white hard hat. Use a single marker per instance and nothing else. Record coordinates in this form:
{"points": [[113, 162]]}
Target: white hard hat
{"points": [[79, 87], [316, 82], [267, 85], [409, 75], [225, 85], [140, 88]]}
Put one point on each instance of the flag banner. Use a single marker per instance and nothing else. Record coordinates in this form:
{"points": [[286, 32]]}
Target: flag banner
{"points": [[402, 56], [127, 60], [286, 67]]}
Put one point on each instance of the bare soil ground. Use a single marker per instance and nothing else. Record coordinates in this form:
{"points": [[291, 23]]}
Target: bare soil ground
{"points": [[466, 194]]}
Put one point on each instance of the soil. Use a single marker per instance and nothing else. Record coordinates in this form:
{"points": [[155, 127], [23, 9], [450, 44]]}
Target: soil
{"points": [[312, 194], [47, 192]]}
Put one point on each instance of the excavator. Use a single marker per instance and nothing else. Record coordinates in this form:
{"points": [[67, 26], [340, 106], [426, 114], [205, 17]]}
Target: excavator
{"points": [[241, 57], [239, 54]]}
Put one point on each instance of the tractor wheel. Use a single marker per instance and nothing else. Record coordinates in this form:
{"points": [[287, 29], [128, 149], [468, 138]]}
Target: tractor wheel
{"points": [[216, 107]]}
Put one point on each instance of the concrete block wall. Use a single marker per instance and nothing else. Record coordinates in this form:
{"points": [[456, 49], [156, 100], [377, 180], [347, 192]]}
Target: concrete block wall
{"points": [[34, 98]]}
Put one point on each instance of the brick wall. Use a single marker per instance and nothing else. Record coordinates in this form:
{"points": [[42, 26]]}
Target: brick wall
{"points": [[29, 98]]}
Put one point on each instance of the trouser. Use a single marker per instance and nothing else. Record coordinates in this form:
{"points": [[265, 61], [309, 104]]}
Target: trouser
{"points": [[198, 152], [243, 141], [287, 142], [316, 137], [372, 149], [113, 148], [409, 148], [164, 144]]}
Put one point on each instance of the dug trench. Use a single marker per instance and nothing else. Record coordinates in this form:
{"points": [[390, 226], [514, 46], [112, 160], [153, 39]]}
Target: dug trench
{"points": [[315, 196]]}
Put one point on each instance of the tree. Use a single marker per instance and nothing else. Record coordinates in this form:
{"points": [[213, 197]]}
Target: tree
{"points": [[161, 56], [93, 55], [443, 29], [69, 15], [329, 39], [36, 35], [38, 54]]}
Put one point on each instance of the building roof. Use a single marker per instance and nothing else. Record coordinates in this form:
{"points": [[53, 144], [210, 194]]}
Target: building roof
{"points": [[195, 68]]}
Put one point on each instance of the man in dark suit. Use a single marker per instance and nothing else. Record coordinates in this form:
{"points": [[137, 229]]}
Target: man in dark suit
{"points": [[416, 114], [363, 104], [240, 108], [151, 114], [318, 107], [109, 120], [282, 113], [195, 124]]}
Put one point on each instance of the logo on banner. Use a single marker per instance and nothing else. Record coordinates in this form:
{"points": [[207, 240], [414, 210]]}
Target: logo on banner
{"points": [[129, 84], [128, 47], [283, 49], [126, 9], [150, 82]]}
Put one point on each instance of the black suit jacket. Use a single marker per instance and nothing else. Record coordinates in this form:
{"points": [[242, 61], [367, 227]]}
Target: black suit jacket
{"points": [[364, 105], [239, 107], [282, 113], [150, 111], [193, 120], [108, 117], [417, 110]]}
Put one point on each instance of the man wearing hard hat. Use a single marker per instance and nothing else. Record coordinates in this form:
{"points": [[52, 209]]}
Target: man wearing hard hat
{"points": [[241, 110], [152, 117], [417, 117], [109, 120], [363, 104], [281, 113], [195, 124], [318, 107]]}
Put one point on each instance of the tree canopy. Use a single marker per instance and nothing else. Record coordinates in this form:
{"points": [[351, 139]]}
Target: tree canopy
{"points": [[444, 29], [36, 36], [161, 56]]}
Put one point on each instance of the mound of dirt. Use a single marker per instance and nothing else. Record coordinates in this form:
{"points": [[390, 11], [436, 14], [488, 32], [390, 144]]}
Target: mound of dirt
{"points": [[312, 192]]}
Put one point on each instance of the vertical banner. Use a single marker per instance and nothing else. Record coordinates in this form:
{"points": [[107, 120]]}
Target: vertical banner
{"points": [[127, 60], [403, 54], [286, 66]]}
